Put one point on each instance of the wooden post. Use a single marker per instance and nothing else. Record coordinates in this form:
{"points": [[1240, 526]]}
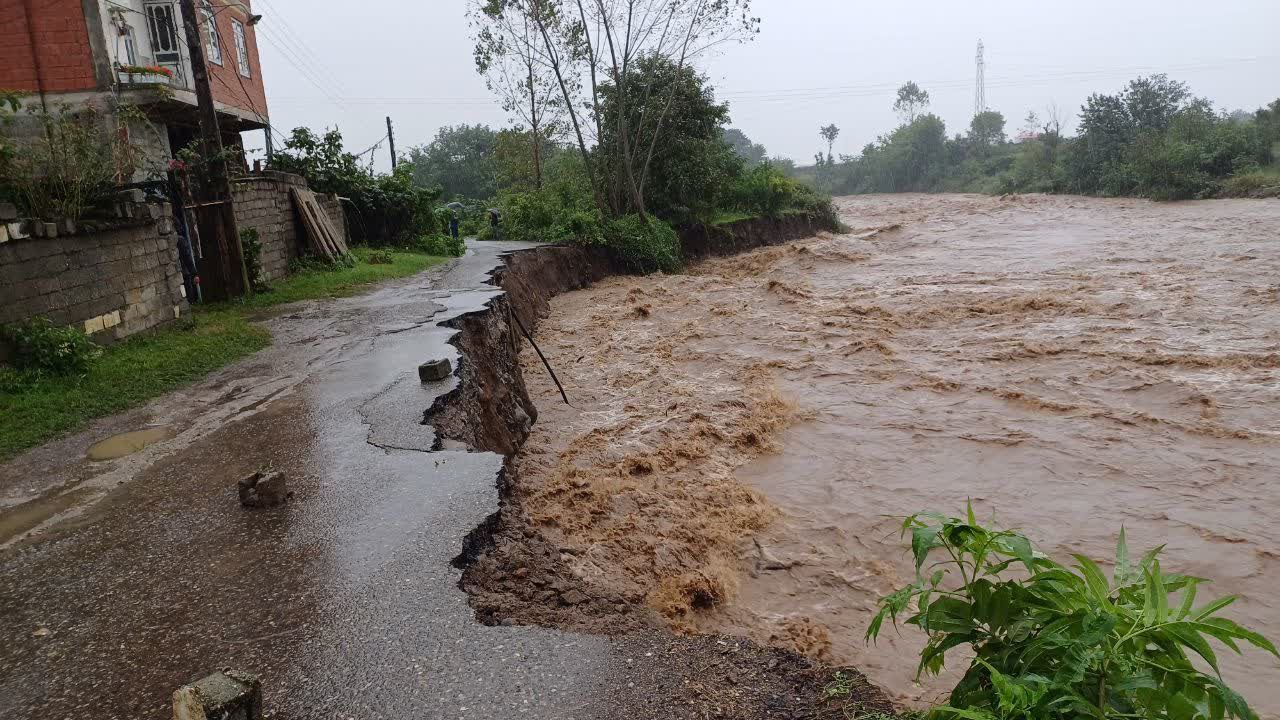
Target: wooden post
{"points": [[226, 266], [391, 136]]}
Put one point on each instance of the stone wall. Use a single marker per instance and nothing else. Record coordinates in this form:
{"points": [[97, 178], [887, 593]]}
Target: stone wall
{"points": [[113, 283], [263, 202]]}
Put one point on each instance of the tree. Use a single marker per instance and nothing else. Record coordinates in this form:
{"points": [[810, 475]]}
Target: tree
{"points": [[830, 133], [911, 100], [588, 43], [986, 130], [460, 160], [752, 153], [507, 54], [688, 168]]}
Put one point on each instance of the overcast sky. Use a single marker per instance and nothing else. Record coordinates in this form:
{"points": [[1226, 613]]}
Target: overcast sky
{"points": [[350, 64]]}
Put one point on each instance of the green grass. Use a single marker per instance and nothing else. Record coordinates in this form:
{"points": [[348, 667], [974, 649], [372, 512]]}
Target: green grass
{"points": [[341, 281], [728, 217], [141, 368]]}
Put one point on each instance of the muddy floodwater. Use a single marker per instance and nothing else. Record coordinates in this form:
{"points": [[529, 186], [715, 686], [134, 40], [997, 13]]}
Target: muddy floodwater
{"points": [[744, 437]]}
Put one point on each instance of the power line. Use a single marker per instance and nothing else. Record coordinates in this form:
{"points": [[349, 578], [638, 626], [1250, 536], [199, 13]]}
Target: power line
{"points": [[835, 92], [287, 54], [300, 46]]}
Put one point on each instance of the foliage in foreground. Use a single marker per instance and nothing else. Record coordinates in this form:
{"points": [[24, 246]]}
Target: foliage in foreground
{"points": [[1052, 641], [40, 348]]}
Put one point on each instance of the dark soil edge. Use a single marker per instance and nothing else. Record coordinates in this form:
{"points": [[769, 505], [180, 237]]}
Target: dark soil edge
{"points": [[514, 576]]}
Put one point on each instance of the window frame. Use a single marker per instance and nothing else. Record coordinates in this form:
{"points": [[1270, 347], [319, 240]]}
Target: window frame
{"points": [[212, 41], [240, 37], [130, 44]]}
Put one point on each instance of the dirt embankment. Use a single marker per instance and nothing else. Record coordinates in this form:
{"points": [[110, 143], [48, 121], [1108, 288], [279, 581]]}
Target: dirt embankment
{"points": [[528, 563]]}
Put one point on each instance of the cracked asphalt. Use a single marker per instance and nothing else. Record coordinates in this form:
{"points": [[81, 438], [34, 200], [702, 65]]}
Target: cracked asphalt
{"points": [[144, 573]]}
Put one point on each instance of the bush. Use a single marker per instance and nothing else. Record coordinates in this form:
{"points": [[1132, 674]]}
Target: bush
{"points": [[1059, 642], [644, 244], [765, 191], [251, 244], [440, 244], [389, 209], [41, 348]]}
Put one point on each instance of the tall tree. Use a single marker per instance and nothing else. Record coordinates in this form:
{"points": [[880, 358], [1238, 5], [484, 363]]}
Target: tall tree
{"points": [[830, 133], [460, 160], [587, 43], [911, 100], [986, 130], [752, 153], [508, 54]]}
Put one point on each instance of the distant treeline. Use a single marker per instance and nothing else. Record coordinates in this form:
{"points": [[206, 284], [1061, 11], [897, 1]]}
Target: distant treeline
{"points": [[1153, 139]]}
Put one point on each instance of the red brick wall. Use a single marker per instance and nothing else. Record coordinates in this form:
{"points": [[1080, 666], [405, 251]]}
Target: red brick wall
{"points": [[229, 86], [62, 46]]}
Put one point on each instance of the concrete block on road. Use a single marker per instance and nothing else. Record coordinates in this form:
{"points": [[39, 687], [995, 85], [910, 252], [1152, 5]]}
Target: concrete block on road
{"points": [[224, 695], [435, 370]]}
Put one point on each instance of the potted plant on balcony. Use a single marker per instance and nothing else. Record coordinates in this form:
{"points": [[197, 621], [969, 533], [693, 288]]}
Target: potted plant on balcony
{"points": [[144, 74]]}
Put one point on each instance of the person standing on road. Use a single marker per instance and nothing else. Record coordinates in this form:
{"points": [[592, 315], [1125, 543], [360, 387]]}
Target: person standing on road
{"points": [[494, 217], [453, 223]]}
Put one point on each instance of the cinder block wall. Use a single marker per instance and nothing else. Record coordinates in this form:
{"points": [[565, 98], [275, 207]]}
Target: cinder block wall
{"points": [[113, 283], [263, 202]]}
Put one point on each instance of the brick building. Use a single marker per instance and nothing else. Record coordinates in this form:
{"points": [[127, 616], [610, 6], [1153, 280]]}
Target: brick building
{"points": [[77, 51]]}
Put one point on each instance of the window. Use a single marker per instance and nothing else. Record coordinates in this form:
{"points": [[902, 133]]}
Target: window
{"points": [[130, 44], [242, 48], [213, 45], [160, 24]]}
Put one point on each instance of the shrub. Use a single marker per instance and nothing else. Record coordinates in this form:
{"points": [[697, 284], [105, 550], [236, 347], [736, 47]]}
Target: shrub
{"points": [[1059, 642], [440, 244], [251, 244], [765, 191], [644, 244], [380, 257], [70, 166], [41, 348]]}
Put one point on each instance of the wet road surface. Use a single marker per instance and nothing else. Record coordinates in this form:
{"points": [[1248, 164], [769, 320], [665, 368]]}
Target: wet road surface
{"points": [[145, 573]]}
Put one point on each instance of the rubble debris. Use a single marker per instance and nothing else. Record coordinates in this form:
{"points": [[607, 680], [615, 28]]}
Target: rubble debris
{"points": [[224, 695], [264, 489]]}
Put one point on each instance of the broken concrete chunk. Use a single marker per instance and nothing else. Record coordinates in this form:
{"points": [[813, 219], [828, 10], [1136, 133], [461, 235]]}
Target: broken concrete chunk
{"points": [[435, 370], [261, 490], [8, 211], [225, 695]]}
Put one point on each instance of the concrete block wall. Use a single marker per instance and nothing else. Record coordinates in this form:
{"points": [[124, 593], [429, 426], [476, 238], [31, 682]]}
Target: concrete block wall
{"points": [[263, 201], [112, 283]]}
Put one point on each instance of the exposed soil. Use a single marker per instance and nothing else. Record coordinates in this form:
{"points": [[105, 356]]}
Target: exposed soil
{"points": [[739, 433], [518, 569]]}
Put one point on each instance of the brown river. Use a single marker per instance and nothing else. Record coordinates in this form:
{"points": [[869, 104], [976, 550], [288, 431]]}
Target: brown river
{"points": [[745, 436]]}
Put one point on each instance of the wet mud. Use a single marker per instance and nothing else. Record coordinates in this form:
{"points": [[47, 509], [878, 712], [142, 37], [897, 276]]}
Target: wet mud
{"points": [[742, 436]]}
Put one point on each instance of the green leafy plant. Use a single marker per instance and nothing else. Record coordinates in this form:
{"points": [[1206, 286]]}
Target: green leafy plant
{"points": [[1052, 641], [41, 348], [644, 244], [74, 160], [251, 244], [440, 244]]}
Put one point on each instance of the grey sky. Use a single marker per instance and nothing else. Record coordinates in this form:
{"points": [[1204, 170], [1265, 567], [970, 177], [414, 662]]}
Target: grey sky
{"points": [[815, 62]]}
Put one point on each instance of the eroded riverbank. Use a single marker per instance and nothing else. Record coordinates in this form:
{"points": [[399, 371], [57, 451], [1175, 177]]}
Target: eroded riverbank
{"points": [[739, 434]]}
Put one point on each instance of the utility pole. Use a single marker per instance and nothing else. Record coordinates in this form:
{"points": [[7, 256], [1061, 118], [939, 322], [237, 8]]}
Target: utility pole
{"points": [[214, 212], [391, 136]]}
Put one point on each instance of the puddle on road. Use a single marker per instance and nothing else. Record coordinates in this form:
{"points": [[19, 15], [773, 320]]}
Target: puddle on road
{"points": [[118, 446]]}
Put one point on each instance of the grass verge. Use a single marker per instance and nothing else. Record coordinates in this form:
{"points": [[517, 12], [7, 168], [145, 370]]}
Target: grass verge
{"points": [[141, 368]]}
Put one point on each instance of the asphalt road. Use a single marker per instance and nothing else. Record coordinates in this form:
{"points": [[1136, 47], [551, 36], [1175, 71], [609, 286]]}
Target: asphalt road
{"points": [[144, 573]]}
